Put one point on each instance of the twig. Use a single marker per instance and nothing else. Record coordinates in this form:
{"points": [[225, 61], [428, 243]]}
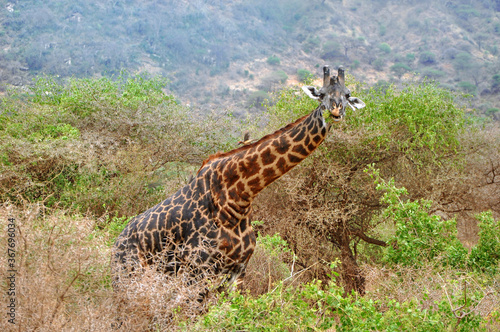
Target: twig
{"points": [[269, 269], [60, 298], [299, 272], [462, 314]]}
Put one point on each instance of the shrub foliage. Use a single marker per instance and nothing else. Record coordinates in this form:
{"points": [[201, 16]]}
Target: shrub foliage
{"points": [[100, 145], [109, 149]]}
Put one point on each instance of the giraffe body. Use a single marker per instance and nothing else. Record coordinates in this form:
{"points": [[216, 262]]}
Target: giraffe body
{"points": [[205, 226]]}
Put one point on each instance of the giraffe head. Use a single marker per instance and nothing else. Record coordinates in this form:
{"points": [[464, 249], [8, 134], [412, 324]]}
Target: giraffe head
{"points": [[334, 96]]}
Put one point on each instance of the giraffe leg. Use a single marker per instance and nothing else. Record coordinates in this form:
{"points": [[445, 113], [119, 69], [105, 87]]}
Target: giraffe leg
{"points": [[238, 284]]}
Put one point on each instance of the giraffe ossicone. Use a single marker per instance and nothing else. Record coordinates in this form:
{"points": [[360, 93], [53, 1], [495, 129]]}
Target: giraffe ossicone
{"points": [[204, 228]]}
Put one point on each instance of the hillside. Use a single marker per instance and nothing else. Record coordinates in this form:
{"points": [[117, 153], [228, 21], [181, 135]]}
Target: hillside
{"points": [[230, 54]]}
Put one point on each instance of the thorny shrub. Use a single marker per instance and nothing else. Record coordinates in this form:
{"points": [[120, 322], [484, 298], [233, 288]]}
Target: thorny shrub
{"points": [[420, 135], [267, 266], [99, 145], [63, 284], [63, 280], [153, 301]]}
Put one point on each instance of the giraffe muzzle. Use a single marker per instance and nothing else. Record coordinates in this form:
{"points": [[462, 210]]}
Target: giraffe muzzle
{"points": [[336, 116]]}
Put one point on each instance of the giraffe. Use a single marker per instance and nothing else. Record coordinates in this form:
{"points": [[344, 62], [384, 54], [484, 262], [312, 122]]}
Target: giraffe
{"points": [[205, 226]]}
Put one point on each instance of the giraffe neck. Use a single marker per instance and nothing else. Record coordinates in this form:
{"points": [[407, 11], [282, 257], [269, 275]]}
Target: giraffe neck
{"points": [[278, 155], [239, 175]]}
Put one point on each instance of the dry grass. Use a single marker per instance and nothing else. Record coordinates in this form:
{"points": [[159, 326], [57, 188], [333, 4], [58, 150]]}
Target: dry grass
{"points": [[265, 269], [155, 302], [63, 280]]}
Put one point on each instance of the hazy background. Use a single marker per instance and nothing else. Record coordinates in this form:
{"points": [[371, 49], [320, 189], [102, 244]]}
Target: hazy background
{"points": [[228, 55]]}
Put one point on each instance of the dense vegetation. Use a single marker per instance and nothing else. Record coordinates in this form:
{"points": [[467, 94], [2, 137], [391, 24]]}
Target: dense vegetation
{"points": [[99, 144], [392, 224], [230, 53]]}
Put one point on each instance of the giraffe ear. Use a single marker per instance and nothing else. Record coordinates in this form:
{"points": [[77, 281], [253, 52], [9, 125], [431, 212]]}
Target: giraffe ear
{"points": [[356, 103], [311, 91]]}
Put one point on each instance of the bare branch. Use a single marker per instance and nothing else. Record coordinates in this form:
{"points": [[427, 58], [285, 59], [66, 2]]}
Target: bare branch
{"points": [[368, 239]]}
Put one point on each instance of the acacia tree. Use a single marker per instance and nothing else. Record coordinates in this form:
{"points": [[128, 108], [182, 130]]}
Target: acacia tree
{"points": [[399, 69], [327, 206]]}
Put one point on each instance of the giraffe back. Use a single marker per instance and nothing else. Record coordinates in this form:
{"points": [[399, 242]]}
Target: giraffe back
{"points": [[186, 232]]}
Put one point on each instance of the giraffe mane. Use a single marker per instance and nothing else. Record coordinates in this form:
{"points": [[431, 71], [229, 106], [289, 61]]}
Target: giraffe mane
{"points": [[278, 132]]}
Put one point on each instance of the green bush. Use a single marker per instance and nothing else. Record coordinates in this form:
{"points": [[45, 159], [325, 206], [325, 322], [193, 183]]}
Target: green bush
{"points": [[427, 58], [287, 105], [422, 121], [467, 87], [304, 75], [379, 64], [273, 60], [462, 61], [420, 238], [485, 256], [37, 127], [330, 50], [279, 76], [274, 244], [410, 57], [83, 97], [98, 144], [256, 98], [384, 47], [316, 307], [399, 69], [432, 73]]}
